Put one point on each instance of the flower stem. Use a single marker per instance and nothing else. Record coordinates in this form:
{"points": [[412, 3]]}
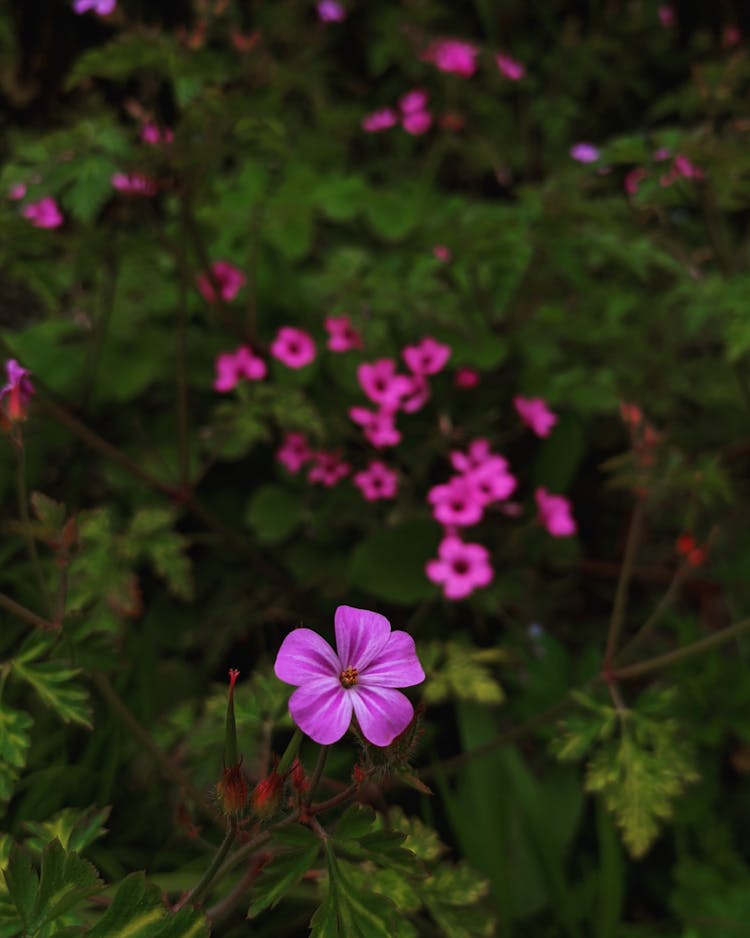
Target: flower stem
{"points": [[21, 612], [23, 511], [181, 380], [290, 752], [317, 774], [620, 605], [204, 883]]}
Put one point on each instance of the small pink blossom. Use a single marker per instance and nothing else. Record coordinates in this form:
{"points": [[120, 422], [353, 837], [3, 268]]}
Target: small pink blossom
{"points": [[415, 100], [17, 191], [442, 253], [584, 153], [43, 214], [510, 67], [294, 452], [379, 426], [456, 502], [460, 568], [686, 169], [661, 154], [228, 278], [478, 453], [154, 135], [666, 15], [134, 184], [453, 56], [427, 357], [417, 123], [491, 481], [555, 513], [634, 178], [232, 366], [466, 378], [342, 336], [327, 469], [535, 413], [417, 396], [382, 384], [329, 11], [100, 7], [15, 393], [294, 348], [732, 36], [376, 482], [379, 120]]}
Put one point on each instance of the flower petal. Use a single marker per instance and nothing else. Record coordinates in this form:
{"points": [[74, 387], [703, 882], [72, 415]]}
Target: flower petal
{"points": [[322, 709], [304, 656], [396, 665], [360, 635], [382, 713]]}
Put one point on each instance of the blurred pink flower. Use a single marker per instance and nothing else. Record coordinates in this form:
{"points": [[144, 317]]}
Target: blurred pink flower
{"points": [[555, 513], [329, 11], [452, 55], [376, 482], [379, 426], [466, 378], [417, 396], [342, 336], [228, 278], [476, 455], [17, 191], [510, 67], [456, 502], [666, 15], [732, 36], [153, 134], [327, 469], [379, 120], [15, 393], [427, 357], [634, 178], [460, 568], [686, 169], [294, 348], [442, 253], [43, 214], [417, 123], [382, 384], [294, 452], [134, 184], [232, 366], [535, 413], [100, 7], [584, 152], [415, 100], [491, 481]]}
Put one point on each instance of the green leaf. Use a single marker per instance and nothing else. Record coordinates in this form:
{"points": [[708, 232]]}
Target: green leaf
{"points": [[75, 829], [354, 823], [350, 911], [274, 512], [281, 875], [394, 212], [463, 674], [151, 534], [53, 681], [390, 562], [341, 196], [14, 744]]}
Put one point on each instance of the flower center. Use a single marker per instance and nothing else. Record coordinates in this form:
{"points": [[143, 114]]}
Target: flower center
{"points": [[348, 677]]}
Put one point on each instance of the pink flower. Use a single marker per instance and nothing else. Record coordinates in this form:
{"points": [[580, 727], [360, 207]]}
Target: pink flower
{"points": [[456, 502], [242, 363], [460, 567], [329, 11], [732, 36], [17, 191], [535, 414], [358, 679], [376, 482], [510, 67], [417, 397], [417, 123], [686, 169], [379, 426], [44, 213], [294, 452], [555, 513], [134, 184], [379, 120], [442, 253], [634, 178], [228, 279], [427, 357], [100, 7], [327, 469], [342, 336], [491, 481], [15, 393], [666, 15], [584, 152], [293, 347], [477, 455], [466, 378], [381, 384], [661, 154], [154, 135], [412, 101], [453, 55]]}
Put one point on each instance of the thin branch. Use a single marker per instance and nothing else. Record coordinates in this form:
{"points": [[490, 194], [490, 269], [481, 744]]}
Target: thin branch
{"points": [[21, 612], [317, 774], [620, 605], [204, 883]]}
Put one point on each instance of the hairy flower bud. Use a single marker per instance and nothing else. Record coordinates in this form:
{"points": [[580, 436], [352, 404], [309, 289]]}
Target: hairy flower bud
{"points": [[232, 790], [266, 795]]}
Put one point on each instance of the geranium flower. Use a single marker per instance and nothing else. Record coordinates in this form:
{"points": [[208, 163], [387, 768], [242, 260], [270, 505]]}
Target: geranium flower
{"points": [[510, 67], [100, 7], [329, 11], [466, 378], [442, 253], [417, 123], [232, 366], [555, 513], [358, 679], [44, 213], [491, 480], [460, 568], [453, 55], [327, 469], [154, 135], [478, 453], [16, 392], [634, 178], [427, 357], [584, 152], [412, 101], [456, 502], [377, 481], [294, 452], [293, 347], [17, 191], [134, 184], [383, 119], [535, 414], [228, 278], [342, 336], [417, 396], [379, 426], [382, 384]]}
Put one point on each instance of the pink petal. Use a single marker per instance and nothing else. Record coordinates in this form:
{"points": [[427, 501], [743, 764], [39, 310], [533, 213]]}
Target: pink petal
{"points": [[304, 656], [360, 636], [396, 665], [382, 713], [322, 709]]}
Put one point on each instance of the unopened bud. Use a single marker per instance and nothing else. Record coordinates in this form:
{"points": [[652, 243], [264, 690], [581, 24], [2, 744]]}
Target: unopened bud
{"points": [[232, 790], [266, 795], [298, 777]]}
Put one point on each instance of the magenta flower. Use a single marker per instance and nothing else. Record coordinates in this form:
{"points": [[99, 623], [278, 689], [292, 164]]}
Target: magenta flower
{"points": [[358, 679], [415, 100], [417, 123], [228, 279], [417, 396], [342, 336], [683, 167], [154, 135], [584, 153], [510, 67], [491, 481], [535, 414], [453, 55], [634, 178], [555, 513], [460, 568], [666, 15], [379, 120], [466, 378], [427, 357], [382, 384], [477, 455], [44, 213], [456, 502], [376, 482], [134, 184], [327, 469], [17, 191], [232, 366], [442, 253], [379, 426], [294, 452], [329, 11], [16, 392], [293, 347], [100, 7]]}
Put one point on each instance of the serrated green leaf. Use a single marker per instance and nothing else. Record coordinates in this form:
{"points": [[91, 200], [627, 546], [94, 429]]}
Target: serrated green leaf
{"points": [[350, 911], [53, 681], [462, 674], [14, 744], [281, 874], [74, 828], [49, 512], [354, 823], [422, 840]]}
